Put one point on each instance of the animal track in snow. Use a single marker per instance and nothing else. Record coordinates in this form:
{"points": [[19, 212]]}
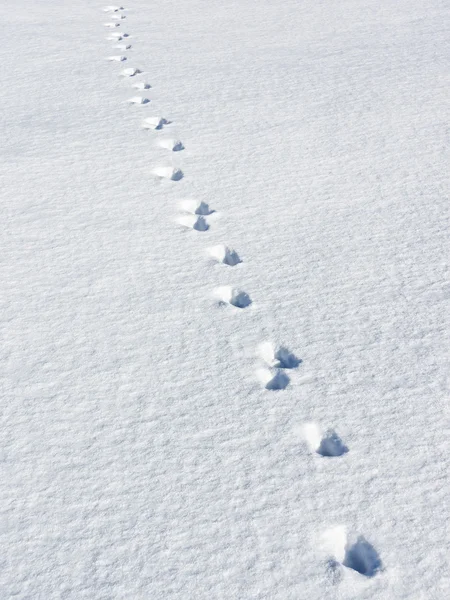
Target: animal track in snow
{"points": [[112, 25], [116, 35], [141, 85], [155, 123], [130, 72], [225, 255], [194, 222], [118, 17], [327, 444], [229, 295], [117, 58], [138, 100], [123, 46], [169, 173], [113, 8], [352, 552], [196, 208], [278, 356], [169, 144], [273, 379]]}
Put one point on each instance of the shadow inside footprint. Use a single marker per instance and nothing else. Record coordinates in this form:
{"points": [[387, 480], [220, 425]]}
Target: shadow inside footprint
{"points": [[200, 225], [331, 445], [363, 558], [286, 359], [280, 381], [240, 300]]}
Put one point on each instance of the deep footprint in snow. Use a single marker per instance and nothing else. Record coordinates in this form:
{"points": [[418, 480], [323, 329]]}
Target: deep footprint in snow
{"points": [[117, 58], [118, 17], [171, 144], [273, 379], [123, 46], [351, 552], [278, 356], [115, 35], [228, 295], [194, 207], [155, 123], [225, 255], [130, 72], [326, 443], [141, 85], [138, 100], [112, 25], [198, 223], [171, 173], [113, 8]]}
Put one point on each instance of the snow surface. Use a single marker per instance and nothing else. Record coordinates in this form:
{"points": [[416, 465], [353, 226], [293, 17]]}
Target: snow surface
{"points": [[149, 448]]}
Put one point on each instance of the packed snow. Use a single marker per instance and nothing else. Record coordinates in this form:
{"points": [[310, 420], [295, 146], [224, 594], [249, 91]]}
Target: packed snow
{"points": [[225, 331]]}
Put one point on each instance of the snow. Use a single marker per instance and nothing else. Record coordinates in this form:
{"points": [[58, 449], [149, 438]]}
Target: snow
{"points": [[155, 443]]}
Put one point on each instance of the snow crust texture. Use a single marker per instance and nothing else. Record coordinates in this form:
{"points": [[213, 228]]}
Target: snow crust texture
{"points": [[225, 359]]}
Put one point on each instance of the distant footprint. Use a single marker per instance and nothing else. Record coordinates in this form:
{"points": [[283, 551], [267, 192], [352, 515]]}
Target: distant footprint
{"points": [[195, 207], [326, 443], [225, 255], [273, 379], [171, 173], [113, 9], [173, 145], [141, 85], [130, 72], [115, 35], [118, 17], [138, 100], [155, 123], [112, 25], [198, 223], [229, 295], [278, 356], [117, 58], [123, 46], [351, 552]]}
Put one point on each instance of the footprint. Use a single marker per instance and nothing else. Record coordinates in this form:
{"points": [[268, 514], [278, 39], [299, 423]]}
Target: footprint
{"points": [[123, 46], [141, 85], [173, 145], [130, 72], [278, 356], [112, 25], [194, 222], [155, 123], [229, 295], [273, 379], [116, 35], [352, 552], [117, 58], [169, 173], [113, 8], [138, 100], [327, 444], [225, 255], [196, 208], [118, 17]]}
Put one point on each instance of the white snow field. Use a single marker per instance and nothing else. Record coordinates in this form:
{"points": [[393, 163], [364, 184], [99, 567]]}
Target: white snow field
{"points": [[225, 311]]}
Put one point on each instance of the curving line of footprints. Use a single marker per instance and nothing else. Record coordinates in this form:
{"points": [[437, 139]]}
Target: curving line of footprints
{"points": [[346, 550]]}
